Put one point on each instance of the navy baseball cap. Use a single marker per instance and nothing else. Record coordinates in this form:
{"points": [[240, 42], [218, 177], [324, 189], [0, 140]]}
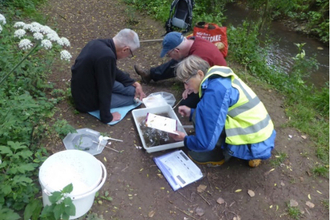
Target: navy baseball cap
{"points": [[171, 41]]}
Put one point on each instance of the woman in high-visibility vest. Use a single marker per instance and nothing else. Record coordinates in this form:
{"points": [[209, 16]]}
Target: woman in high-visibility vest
{"points": [[229, 120]]}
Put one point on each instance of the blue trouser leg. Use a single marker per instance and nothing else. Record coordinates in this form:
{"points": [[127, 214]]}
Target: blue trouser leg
{"points": [[121, 95], [164, 71]]}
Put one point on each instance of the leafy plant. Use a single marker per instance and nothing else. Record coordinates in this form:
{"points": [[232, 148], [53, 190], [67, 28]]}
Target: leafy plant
{"points": [[321, 170], [294, 212], [26, 113], [61, 206], [105, 196], [7, 213], [17, 172]]}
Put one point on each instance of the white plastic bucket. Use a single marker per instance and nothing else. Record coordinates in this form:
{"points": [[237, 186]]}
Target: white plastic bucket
{"points": [[83, 170]]}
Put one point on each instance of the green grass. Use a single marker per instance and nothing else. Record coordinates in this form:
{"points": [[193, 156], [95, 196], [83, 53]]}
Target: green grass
{"points": [[294, 212], [326, 203], [279, 159], [321, 170]]}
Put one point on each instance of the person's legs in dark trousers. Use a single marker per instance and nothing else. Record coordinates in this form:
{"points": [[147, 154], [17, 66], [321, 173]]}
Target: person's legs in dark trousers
{"points": [[164, 71], [121, 95], [191, 101]]}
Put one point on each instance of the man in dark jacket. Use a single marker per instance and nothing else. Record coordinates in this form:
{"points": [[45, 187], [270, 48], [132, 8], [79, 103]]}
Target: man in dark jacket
{"points": [[97, 83]]}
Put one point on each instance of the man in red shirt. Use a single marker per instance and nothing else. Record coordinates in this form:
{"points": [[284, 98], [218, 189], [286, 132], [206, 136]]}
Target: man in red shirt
{"points": [[178, 47]]}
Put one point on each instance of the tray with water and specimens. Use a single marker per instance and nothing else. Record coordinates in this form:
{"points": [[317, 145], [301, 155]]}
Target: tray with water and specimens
{"points": [[152, 139]]}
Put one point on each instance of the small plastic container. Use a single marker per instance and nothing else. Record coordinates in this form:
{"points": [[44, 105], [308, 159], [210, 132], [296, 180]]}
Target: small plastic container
{"points": [[86, 140]]}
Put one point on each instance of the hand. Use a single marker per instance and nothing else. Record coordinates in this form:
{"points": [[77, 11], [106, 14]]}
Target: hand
{"points": [[184, 111], [177, 137], [116, 116], [139, 91], [185, 93]]}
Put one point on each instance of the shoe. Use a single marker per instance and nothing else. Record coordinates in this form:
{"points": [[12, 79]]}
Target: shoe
{"points": [[254, 163], [145, 75], [211, 158]]}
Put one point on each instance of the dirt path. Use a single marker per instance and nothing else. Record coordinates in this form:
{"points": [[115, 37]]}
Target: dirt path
{"points": [[133, 182]]}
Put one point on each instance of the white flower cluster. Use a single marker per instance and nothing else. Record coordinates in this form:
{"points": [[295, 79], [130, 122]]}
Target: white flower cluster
{"points": [[2, 21], [42, 33], [19, 33], [47, 44], [38, 36], [65, 55], [25, 44]]}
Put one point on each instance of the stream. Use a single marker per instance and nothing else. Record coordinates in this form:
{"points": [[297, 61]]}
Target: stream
{"points": [[281, 53]]}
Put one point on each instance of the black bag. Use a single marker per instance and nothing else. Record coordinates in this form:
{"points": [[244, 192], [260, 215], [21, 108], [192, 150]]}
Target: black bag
{"points": [[180, 15]]}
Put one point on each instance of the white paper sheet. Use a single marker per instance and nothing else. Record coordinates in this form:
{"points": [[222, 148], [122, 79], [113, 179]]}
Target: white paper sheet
{"points": [[178, 169], [161, 123]]}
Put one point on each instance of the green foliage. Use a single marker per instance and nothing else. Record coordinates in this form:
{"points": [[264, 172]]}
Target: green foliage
{"points": [[247, 48], [320, 100], [159, 9], [294, 212], [211, 11], [106, 196], [18, 170], [279, 159], [22, 116], [308, 108], [61, 206], [26, 118], [314, 15], [326, 203], [22, 7], [321, 170], [8, 214], [62, 128], [33, 209]]}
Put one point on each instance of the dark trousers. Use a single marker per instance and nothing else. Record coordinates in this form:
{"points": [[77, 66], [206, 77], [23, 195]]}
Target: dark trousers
{"points": [[166, 71], [121, 95]]}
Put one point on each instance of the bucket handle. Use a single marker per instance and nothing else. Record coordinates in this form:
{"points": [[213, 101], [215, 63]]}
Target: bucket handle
{"points": [[96, 188]]}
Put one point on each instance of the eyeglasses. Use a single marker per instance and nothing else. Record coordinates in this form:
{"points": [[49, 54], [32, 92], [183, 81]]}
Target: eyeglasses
{"points": [[169, 52], [186, 81], [132, 55]]}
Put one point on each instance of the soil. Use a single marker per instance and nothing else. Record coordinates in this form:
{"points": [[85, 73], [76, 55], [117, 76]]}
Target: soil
{"points": [[133, 181]]}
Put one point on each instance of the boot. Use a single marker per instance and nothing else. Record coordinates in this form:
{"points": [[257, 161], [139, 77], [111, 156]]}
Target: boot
{"points": [[145, 74], [254, 163], [210, 158]]}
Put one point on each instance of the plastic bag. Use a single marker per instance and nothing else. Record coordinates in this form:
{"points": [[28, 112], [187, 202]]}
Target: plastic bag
{"points": [[213, 33], [159, 99]]}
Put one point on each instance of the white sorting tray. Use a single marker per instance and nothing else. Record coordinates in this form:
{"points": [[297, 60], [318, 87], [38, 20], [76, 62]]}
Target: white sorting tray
{"points": [[165, 109]]}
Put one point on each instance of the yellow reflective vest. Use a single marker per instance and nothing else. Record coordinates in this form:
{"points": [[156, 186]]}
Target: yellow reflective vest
{"points": [[247, 121]]}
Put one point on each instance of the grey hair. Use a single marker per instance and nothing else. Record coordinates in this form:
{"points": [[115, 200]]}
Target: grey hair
{"points": [[127, 37], [190, 66]]}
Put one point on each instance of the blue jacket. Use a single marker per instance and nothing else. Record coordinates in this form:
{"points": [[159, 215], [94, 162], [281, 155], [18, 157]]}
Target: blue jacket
{"points": [[210, 117]]}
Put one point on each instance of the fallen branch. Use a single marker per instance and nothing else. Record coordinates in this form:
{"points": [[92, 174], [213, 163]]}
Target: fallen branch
{"points": [[112, 149], [184, 196], [184, 212], [204, 199], [154, 40]]}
